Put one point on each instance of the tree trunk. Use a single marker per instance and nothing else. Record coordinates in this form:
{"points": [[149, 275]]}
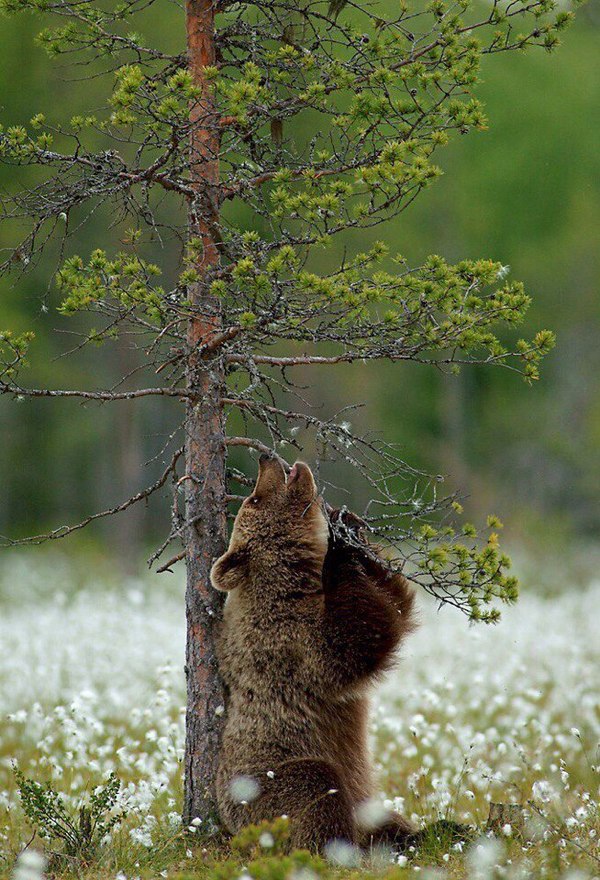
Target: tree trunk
{"points": [[205, 446]]}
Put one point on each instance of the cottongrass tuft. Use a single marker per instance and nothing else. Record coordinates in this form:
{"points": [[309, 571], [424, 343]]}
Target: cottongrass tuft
{"points": [[30, 865], [303, 873], [483, 856], [244, 789], [342, 854], [371, 814]]}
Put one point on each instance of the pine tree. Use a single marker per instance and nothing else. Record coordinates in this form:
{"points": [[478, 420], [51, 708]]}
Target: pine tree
{"points": [[277, 128]]}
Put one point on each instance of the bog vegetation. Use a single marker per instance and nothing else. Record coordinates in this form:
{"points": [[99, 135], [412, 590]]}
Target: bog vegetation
{"points": [[91, 684]]}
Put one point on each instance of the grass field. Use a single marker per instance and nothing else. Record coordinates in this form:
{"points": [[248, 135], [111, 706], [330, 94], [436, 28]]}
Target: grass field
{"points": [[91, 682]]}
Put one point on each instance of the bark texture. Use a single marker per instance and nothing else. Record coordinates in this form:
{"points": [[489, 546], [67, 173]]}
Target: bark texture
{"points": [[205, 446]]}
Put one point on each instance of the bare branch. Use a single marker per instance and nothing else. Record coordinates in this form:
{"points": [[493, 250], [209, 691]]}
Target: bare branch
{"points": [[250, 443], [63, 531], [167, 565], [107, 396]]}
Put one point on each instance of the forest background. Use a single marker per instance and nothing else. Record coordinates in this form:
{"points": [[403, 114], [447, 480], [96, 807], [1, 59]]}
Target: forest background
{"points": [[526, 192]]}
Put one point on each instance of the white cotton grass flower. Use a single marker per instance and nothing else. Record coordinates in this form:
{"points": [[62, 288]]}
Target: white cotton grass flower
{"points": [[380, 857], [371, 814], [266, 840], [430, 873], [86, 699], [30, 865], [543, 791], [575, 874], [342, 854], [141, 836], [483, 856], [303, 874], [244, 789]]}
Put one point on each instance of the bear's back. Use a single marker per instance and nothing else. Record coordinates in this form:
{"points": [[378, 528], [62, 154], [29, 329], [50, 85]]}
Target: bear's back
{"points": [[269, 649]]}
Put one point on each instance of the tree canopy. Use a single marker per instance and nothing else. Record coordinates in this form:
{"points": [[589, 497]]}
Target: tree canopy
{"points": [[318, 121]]}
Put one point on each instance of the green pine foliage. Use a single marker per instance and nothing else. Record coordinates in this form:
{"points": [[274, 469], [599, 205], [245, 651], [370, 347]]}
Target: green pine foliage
{"points": [[328, 121]]}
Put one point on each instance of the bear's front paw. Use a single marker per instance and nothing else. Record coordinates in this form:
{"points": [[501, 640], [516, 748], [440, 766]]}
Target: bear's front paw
{"points": [[229, 571]]}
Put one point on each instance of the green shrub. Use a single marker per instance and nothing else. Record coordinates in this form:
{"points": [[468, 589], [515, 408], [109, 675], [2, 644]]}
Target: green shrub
{"points": [[79, 835]]}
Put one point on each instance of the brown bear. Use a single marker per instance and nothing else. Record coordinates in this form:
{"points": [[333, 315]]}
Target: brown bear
{"points": [[310, 624]]}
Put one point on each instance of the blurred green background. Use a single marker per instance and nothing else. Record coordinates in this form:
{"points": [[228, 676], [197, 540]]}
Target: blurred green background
{"points": [[527, 193]]}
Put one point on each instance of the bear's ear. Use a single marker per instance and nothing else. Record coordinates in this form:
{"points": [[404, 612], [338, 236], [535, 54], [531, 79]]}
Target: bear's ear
{"points": [[300, 482], [229, 571]]}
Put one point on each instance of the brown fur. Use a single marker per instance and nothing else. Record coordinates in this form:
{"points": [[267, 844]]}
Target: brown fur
{"points": [[309, 625]]}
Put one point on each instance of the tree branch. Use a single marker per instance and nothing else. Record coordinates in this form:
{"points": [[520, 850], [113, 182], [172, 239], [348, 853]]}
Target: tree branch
{"points": [[63, 531], [108, 396]]}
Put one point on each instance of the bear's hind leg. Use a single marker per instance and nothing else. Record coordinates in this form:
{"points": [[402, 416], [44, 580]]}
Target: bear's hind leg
{"points": [[396, 832], [401, 836], [311, 793]]}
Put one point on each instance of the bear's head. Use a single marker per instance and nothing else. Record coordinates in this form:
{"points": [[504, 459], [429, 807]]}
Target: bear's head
{"points": [[280, 530]]}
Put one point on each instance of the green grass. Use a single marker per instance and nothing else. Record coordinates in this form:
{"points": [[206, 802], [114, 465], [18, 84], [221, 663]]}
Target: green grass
{"points": [[91, 683]]}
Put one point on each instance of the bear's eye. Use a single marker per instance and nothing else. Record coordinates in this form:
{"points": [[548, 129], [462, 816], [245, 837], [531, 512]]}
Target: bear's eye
{"points": [[255, 500]]}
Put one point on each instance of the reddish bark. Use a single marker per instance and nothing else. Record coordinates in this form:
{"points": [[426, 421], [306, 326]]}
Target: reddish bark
{"points": [[205, 443]]}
